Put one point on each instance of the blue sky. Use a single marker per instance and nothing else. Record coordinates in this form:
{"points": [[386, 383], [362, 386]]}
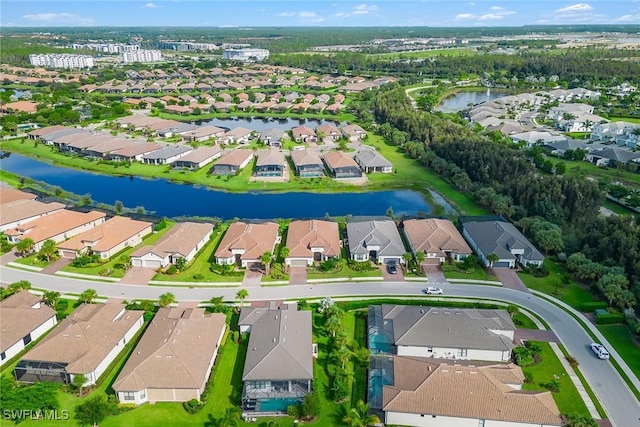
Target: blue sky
{"points": [[436, 13]]}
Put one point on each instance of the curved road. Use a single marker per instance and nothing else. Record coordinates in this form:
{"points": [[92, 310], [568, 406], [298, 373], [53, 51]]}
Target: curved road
{"points": [[621, 405]]}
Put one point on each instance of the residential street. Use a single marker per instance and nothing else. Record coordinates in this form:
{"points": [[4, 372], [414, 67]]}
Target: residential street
{"points": [[622, 407]]}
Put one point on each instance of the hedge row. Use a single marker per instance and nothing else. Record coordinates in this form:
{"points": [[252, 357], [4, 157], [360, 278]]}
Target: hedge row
{"points": [[608, 319]]}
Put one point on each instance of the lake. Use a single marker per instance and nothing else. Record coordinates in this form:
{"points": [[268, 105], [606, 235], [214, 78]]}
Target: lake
{"points": [[164, 198], [460, 101], [261, 124]]}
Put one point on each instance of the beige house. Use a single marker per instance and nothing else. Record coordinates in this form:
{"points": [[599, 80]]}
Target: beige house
{"points": [[184, 240], [174, 357], [423, 393], [25, 318], [107, 239], [438, 239], [84, 343], [57, 226], [244, 243], [312, 240], [19, 207]]}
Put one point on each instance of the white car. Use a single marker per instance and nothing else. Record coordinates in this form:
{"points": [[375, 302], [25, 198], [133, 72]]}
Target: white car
{"points": [[599, 350], [432, 290]]}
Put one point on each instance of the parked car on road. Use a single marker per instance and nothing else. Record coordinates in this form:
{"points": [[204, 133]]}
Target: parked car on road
{"points": [[432, 290], [599, 350]]}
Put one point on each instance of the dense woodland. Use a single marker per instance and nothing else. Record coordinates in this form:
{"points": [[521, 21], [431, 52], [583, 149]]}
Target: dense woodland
{"points": [[559, 213]]}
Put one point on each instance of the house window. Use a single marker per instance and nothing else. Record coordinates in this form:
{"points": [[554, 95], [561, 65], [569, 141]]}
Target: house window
{"points": [[26, 340], [429, 349], [128, 395], [480, 423], [462, 352], [3, 356], [143, 394]]}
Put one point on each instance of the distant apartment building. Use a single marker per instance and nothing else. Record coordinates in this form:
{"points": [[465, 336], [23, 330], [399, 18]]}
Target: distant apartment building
{"points": [[187, 46], [61, 60], [107, 47], [245, 55], [142, 55]]}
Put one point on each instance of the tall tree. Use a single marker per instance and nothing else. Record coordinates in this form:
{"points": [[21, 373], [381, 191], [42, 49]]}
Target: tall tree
{"points": [[242, 295], [25, 246], [51, 298], [48, 250], [359, 416], [265, 259], [88, 296], [166, 299], [92, 412]]}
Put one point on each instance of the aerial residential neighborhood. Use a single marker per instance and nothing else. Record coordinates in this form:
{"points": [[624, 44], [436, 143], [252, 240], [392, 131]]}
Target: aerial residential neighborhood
{"points": [[327, 214]]}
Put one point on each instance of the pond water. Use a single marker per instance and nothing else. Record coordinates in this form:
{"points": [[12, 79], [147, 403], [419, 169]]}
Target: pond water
{"points": [[460, 101], [164, 198], [261, 124]]}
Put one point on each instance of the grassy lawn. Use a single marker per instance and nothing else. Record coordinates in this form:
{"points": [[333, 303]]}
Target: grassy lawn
{"points": [[424, 54], [343, 271], [33, 260], [586, 169], [95, 269], [549, 369], [523, 322], [618, 208], [572, 294], [625, 119], [477, 274], [620, 338]]}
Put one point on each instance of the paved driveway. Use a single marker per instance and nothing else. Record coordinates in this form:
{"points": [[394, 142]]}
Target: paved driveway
{"points": [[297, 275], [436, 278], [56, 265], [252, 278], [388, 277], [510, 279], [138, 276], [534, 335]]}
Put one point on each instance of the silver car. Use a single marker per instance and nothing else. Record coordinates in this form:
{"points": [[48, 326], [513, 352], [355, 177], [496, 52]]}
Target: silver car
{"points": [[599, 350], [432, 290]]}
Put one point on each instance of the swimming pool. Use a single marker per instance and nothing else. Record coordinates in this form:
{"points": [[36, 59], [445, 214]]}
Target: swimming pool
{"points": [[278, 405]]}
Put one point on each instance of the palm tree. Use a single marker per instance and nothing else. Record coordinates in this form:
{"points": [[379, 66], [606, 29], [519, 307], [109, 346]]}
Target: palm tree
{"points": [[48, 250], [342, 355], [51, 298], [333, 325], [242, 295], [25, 246], [166, 299], [408, 257], [420, 257], [358, 416], [265, 259], [88, 296], [284, 253], [492, 257]]}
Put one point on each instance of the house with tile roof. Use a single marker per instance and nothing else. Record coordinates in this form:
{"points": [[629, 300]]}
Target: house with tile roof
{"points": [[312, 240], [86, 343], [375, 240], [278, 368], [232, 162], [501, 238], [198, 158], [416, 391], [307, 163], [436, 238], [173, 359], [270, 163], [25, 318], [57, 226], [107, 239], [441, 333], [244, 243], [16, 211], [184, 240], [342, 165]]}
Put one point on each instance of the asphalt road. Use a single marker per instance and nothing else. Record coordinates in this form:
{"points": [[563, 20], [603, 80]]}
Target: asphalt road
{"points": [[621, 405]]}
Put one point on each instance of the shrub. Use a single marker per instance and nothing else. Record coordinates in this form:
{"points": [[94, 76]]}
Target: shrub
{"points": [[161, 225], [572, 361], [523, 356], [609, 318], [311, 405], [589, 307], [361, 266], [528, 378], [552, 385], [534, 347], [294, 410], [193, 406], [105, 272], [172, 269], [198, 276]]}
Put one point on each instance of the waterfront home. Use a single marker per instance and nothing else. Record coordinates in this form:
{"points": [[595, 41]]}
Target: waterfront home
{"points": [[133, 152], [203, 133], [237, 135], [184, 240], [198, 158], [341, 165], [173, 360], [328, 132], [84, 343], [304, 134], [371, 161], [16, 212], [375, 240], [273, 137], [307, 163], [25, 318], [270, 163], [57, 226], [438, 239], [244, 243], [353, 132], [166, 155], [107, 239], [103, 149], [232, 162], [312, 240]]}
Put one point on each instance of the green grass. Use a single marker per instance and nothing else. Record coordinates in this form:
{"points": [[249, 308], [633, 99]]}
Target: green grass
{"points": [[568, 399], [34, 261], [586, 169], [625, 119], [345, 271], [618, 208], [424, 54], [523, 321], [572, 294], [478, 274], [95, 269], [619, 336]]}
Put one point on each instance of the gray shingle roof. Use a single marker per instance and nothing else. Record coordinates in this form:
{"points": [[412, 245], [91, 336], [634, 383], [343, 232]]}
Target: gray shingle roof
{"points": [[497, 237], [382, 233], [280, 346], [167, 152], [449, 328], [371, 159]]}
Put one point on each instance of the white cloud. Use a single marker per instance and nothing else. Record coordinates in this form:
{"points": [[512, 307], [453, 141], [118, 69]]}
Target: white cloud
{"points": [[634, 19], [496, 8], [151, 6], [575, 8], [464, 16], [361, 9], [493, 16], [58, 18], [306, 16]]}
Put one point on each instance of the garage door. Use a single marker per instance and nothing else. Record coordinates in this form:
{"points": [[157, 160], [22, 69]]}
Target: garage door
{"points": [[298, 263], [392, 261], [501, 264], [137, 262]]}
